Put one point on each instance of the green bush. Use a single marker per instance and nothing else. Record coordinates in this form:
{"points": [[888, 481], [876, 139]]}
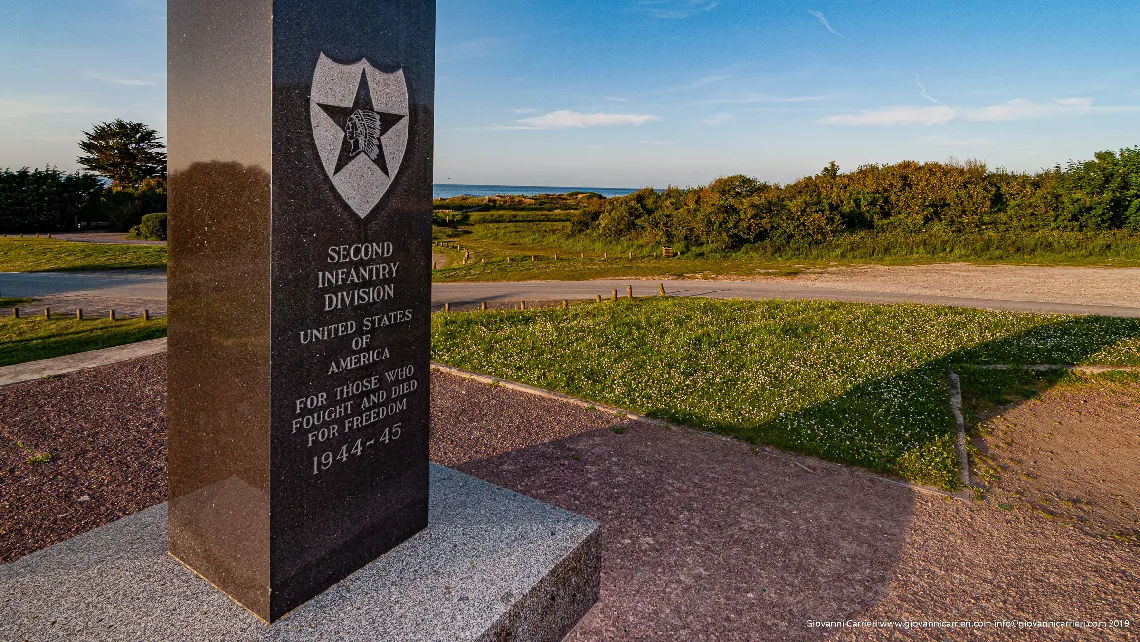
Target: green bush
{"points": [[152, 228], [1100, 196]]}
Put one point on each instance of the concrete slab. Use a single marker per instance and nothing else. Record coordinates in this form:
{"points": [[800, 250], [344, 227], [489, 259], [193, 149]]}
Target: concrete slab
{"points": [[31, 370], [492, 565]]}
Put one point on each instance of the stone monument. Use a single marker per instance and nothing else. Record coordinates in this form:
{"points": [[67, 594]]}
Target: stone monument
{"points": [[300, 158]]}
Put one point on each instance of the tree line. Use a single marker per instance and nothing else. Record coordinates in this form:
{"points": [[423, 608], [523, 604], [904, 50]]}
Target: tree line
{"points": [[124, 179], [1098, 195]]}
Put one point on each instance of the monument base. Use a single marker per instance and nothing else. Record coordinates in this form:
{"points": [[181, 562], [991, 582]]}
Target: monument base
{"points": [[492, 565]]}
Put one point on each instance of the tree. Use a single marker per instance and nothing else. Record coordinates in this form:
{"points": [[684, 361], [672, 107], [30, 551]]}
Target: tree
{"points": [[125, 152]]}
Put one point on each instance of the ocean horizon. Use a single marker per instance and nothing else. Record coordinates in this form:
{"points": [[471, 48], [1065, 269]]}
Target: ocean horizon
{"points": [[450, 190]]}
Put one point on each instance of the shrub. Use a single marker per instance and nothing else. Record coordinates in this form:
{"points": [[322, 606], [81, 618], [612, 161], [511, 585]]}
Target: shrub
{"points": [[152, 228]]}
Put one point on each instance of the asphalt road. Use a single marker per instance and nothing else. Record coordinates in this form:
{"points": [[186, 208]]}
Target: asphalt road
{"points": [[149, 284], [462, 294], [148, 287]]}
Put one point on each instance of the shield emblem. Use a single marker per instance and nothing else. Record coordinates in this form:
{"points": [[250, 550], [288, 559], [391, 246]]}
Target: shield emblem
{"points": [[360, 126]]}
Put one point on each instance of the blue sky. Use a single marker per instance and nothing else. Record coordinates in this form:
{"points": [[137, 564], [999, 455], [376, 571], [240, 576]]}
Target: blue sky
{"points": [[614, 93]]}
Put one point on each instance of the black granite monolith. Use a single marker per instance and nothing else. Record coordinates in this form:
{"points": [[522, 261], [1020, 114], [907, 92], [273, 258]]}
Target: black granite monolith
{"points": [[300, 151]]}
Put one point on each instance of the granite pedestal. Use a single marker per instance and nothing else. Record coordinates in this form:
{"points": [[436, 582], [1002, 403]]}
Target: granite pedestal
{"points": [[492, 565]]}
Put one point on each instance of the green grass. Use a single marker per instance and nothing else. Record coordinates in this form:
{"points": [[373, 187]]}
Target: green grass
{"points": [[853, 383], [33, 338], [9, 302], [41, 255], [521, 239]]}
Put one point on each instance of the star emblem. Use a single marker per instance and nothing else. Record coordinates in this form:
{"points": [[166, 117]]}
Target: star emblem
{"points": [[362, 106]]}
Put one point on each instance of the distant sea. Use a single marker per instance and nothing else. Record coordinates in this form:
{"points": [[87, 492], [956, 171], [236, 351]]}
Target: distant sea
{"points": [[448, 190]]}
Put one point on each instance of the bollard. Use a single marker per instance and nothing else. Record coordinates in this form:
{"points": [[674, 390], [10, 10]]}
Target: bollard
{"points": [[483, 306], [15, 312], [615, 295], [508, 259], [565, 304], [532, 258], [605, 255], [111, 315], [555, 257], [661, 288], [447, 307], [599, 298], [522, 305], [629, 291], [631, 254], [582, 256], [433, 265], [146, 315], [78, 314], [47, 313], [482, 261]]}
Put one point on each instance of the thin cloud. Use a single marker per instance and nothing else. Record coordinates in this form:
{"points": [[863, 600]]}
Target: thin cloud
{"points": [[524, 110], [716, 120], [1009, 111], [677, 9], [823, 21], [754, 98], [903, 115], [950, 141], [53, 106], [117, 80], [922, 91], [565, 118]]}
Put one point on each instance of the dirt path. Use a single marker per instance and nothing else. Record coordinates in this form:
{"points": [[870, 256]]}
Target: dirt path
{"points": [[703, 539], [1070, 455]]}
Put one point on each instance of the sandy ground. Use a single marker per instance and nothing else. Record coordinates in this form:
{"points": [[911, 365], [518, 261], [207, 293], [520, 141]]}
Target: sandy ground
{"points": [[1084, 285], [1073, 456], [703, 539]]}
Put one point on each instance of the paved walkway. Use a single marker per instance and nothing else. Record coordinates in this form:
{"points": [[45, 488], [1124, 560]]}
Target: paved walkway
{"points": [[138, 289], [461, 294], [80, 361]]}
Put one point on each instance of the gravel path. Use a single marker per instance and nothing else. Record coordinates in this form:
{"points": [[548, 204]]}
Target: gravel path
{"points": [[703, 538], [1063, 290]]}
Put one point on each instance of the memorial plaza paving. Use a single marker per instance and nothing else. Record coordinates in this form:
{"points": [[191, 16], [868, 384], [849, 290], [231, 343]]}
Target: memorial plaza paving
{"points": [[703, 538]]}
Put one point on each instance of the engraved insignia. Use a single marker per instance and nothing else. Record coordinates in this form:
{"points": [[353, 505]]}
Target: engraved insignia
{"points": [[360, 126]]}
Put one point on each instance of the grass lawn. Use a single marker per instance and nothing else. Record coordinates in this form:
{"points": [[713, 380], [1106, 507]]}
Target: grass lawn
{"points": [[854, 383], [41, 255], [33, 338], [492, 239], [9, 302]]}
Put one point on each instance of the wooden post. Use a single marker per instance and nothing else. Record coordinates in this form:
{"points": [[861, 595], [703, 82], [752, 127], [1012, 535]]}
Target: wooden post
{"points": [[111, 315], [522, 305], [15, 312], [483, 306], [47, 312], [508, 259], [482, 261], [599, 298], [583, 255], [615, 295], [532, 258], [446, 307], [433, 265], [146, 315], [631, 254], [565, 304], [556, 256], [605, 255], [661, 288], [78, 314], [629, 291]]}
